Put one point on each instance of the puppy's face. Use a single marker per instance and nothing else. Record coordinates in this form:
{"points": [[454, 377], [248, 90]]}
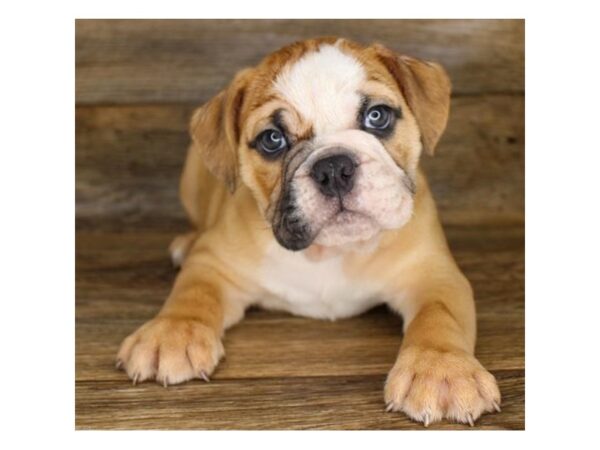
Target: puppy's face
{"points": [[327, 135]]}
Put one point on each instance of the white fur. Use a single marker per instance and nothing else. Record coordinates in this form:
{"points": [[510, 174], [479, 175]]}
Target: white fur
{"points": [[315, 289], [323, 86]]}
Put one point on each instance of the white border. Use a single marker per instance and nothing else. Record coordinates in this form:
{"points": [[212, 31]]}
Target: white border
{"points": [[38, 208]]}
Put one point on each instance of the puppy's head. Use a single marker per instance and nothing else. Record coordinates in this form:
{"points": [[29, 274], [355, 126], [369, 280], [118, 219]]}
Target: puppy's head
{"points": [[327, 135]]}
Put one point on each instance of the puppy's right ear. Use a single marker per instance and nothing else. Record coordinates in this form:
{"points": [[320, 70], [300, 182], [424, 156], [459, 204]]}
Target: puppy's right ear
{"points": [[215, 129]]}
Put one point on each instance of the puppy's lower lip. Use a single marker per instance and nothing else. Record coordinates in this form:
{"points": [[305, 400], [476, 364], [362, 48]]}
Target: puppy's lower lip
{"points": [[345, 215]]}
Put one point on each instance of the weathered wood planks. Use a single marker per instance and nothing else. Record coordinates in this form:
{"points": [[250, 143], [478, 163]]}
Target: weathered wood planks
{"points": [[151, 61], [334, 403]]}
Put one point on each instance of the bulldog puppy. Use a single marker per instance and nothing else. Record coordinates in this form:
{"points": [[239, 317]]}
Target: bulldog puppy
{"points": [[303, 188]]}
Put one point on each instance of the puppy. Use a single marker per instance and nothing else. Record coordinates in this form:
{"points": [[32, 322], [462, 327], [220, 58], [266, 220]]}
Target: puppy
{"points": [[303, 188]]}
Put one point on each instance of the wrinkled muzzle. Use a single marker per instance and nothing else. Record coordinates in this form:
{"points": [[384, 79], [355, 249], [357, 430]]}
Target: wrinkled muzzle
{"points": [[343, 188]]}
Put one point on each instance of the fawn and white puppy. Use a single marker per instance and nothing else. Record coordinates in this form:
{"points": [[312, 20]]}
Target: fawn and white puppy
{"points": [[303, 188]]}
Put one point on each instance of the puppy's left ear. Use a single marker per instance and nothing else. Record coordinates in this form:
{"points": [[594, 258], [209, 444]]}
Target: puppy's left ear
{"points": [[426, 88], [215, 129]]}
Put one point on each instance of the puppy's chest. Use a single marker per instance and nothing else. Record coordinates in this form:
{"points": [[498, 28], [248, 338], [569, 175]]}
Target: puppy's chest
{"points": [[315, 289]]}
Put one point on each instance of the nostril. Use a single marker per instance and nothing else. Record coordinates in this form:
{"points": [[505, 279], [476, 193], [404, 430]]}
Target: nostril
{"points": [[347, 169], [322, 177], [347, 172]]}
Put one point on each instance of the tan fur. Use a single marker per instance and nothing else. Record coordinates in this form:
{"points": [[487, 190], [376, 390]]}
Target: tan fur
{"points": [[436, 375], [426, 88]]}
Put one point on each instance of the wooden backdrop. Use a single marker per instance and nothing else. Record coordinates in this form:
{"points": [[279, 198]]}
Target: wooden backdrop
{"points": [[137, 82]]}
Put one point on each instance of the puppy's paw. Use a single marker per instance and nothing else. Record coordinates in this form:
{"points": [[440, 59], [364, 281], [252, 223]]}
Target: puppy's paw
{"points": [[171, 351], [429, 385]]}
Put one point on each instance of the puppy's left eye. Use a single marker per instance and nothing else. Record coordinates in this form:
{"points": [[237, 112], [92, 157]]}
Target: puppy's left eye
{"points": [[271, 141], [378, 117]]}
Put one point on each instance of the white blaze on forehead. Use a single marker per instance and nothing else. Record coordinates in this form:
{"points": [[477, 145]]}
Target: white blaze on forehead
{"points": [[323, 87]]}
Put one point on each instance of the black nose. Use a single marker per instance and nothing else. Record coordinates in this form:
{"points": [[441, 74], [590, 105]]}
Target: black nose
{"points": [[334, 175]]}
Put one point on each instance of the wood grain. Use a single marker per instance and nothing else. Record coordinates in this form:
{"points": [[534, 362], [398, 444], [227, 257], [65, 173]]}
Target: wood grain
{"points": [[335, 369], [334, 403], [129, 160], [152, 61]]}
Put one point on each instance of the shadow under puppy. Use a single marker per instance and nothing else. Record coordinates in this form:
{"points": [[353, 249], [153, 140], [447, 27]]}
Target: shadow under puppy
{"points": [[303, 187]]}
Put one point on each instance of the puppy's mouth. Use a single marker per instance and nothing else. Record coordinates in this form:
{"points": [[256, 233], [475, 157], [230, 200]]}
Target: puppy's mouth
{"points": [[346, 225], [346, 217], [338, 224]]}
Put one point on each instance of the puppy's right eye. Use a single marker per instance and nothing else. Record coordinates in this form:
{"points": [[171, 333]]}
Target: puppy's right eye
{"points": [[271, 142]]}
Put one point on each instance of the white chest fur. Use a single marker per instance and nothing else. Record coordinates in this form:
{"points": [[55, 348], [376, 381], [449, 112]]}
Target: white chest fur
{"points": [[315, 289]]}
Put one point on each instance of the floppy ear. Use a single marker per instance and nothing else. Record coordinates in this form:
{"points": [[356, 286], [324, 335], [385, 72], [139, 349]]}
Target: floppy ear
{"points": [[215, 130], [426, 87]]}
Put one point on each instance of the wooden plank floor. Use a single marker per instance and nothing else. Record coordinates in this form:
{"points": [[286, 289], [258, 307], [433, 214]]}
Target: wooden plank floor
{"points": [[136, 85], [280, 371]]}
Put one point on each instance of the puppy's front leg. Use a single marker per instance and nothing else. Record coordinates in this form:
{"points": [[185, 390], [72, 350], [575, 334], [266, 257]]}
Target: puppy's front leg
{"points": [[436, 374], [184, 340]]}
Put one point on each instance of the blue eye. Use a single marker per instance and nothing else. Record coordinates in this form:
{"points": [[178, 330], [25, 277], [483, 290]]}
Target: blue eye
{"points": [[271, 141], [378, 117]]}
